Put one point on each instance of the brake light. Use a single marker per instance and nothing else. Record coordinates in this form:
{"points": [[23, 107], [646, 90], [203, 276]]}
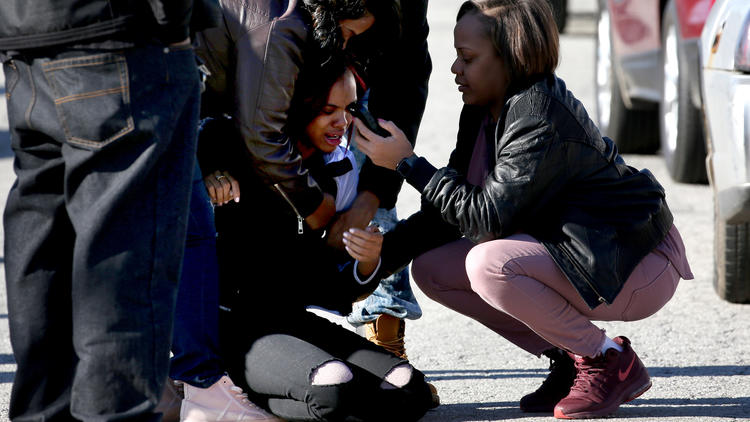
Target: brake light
{"points": [[742, 55]]}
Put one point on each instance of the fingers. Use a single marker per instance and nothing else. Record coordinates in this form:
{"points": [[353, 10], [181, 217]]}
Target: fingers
{"points": [[363, 245], [234, 187], [389, 126], [222, 187], [212, 186], [364, 131]]}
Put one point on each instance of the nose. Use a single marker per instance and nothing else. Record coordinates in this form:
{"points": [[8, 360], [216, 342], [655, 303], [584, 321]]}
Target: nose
{"points": [[455, 67], [342, 120]]}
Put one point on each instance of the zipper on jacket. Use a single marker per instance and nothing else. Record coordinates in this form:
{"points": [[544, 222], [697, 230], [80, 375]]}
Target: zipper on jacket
{"points": [[600, 298], [300, 220]]}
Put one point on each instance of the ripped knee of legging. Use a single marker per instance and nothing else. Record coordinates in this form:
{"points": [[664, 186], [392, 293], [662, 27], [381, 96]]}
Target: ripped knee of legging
{"points": [[397, 377], [332, 372]]}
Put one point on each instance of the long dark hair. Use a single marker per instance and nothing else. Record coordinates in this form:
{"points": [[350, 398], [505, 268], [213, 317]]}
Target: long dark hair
{"points": [[311, 93], [326, 15]]}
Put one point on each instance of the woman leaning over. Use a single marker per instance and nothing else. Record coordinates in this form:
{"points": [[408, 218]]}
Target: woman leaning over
{"points": [[536, 227]]}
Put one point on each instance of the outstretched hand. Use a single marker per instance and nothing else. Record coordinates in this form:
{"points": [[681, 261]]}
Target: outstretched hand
{"points": [[364, 246], [384, 152]]}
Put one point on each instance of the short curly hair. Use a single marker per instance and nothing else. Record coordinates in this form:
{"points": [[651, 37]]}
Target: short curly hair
{"points": [[326, 15], [523, 33]]}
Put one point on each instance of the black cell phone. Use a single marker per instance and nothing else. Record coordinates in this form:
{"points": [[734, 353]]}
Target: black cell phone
{"points": [[359, 110]]}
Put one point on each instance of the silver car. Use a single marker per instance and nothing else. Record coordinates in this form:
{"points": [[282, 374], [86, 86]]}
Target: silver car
{"points": [[725, 63]]}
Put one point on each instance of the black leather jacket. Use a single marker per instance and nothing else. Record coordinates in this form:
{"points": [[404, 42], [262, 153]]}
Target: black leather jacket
{"points": [[552, 176], [27, 24]]}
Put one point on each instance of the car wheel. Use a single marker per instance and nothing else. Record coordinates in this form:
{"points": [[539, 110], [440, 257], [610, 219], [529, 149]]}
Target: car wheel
{"points": [[560, 12], [633, 131], [682, 144], [732, 260]]}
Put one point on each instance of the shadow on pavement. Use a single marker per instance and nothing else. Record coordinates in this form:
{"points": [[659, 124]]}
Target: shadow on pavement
{"points": [[6, 377], [655, 372], [698, 371], [5, 150], [712, 407], [461, 412], [462, 374], [729, 407]]}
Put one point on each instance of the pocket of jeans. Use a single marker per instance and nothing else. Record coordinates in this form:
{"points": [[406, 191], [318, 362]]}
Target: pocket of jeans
{"points": [[650, 298], [92, 98]]}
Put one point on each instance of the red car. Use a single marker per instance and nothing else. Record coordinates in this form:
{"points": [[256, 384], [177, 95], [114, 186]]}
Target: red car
{"points": [[648, 80]]}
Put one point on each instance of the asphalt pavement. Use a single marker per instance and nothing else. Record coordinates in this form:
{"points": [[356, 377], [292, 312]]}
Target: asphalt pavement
{"points": [[695, 348]]}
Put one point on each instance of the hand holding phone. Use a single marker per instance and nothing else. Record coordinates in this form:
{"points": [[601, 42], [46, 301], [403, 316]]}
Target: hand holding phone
{"points": [[359, 110]]}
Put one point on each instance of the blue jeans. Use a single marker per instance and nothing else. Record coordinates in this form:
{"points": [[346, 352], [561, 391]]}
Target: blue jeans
{"points": [[95, 222], [195, 340], [393, 295]]}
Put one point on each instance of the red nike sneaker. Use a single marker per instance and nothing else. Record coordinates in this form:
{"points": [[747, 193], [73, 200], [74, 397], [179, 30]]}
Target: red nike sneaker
{"points": [[603, 383]]}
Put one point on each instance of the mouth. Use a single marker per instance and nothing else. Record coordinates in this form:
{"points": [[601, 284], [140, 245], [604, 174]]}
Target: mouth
{"points": [[333, 138], [461, 86]]}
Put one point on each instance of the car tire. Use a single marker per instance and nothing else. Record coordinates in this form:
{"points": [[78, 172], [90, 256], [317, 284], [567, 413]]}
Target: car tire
{"points": [[732, 260], [682, 142], [560, 12], [632, 130]]}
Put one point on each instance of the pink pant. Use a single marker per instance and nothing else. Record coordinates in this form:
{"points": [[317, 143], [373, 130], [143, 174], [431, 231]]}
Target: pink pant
{"points": [[514, 287]]}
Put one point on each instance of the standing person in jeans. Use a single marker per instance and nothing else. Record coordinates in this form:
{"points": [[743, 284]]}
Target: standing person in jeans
{"points": [[103, 106], [537, 227]]}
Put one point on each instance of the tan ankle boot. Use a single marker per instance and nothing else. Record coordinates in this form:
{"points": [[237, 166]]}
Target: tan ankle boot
{"points": [[388, 332]]}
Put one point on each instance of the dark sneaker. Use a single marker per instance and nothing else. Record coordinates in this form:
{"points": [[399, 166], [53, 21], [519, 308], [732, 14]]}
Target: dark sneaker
{"points": [[562, 373], [603, 383]]}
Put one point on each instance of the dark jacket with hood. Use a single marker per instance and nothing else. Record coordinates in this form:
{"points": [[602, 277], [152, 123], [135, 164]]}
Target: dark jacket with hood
{"points": [[552, 176], [32, 24]]}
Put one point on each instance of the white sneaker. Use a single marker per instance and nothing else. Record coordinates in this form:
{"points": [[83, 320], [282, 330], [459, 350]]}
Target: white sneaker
{"points": [[222, 401]]}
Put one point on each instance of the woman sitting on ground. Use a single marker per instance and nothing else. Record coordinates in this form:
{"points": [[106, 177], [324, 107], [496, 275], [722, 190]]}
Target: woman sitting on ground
{"points": [[297, 364]]}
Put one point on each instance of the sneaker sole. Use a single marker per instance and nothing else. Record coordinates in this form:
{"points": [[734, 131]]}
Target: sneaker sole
{"points": [[604, 412]]}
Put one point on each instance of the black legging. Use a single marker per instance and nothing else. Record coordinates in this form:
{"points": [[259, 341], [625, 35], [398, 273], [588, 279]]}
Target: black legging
{"points": [[279, 363]]}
